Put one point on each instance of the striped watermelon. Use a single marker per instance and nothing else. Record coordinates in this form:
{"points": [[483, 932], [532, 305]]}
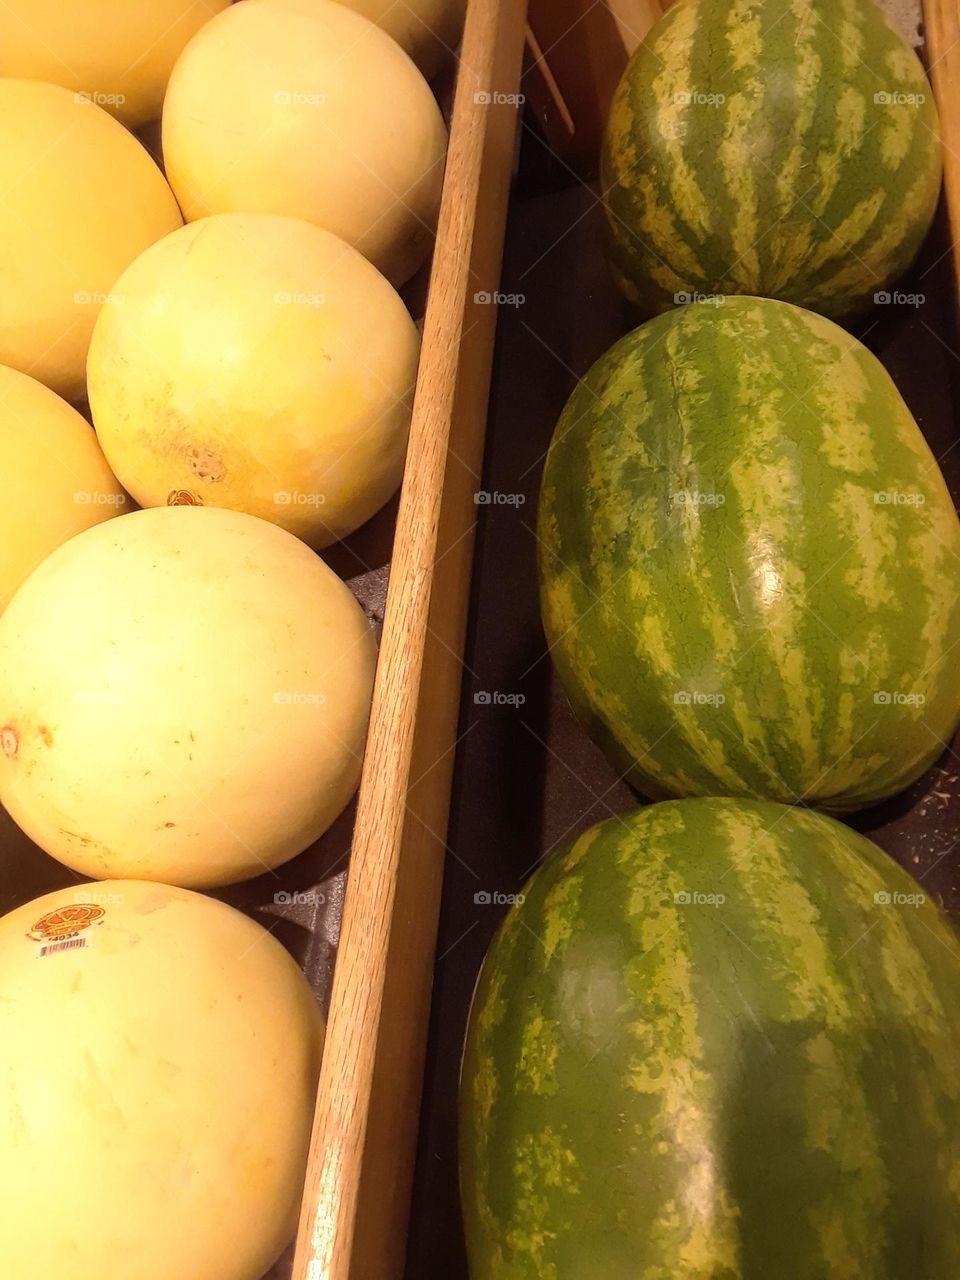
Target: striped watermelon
{"points": [[750, 564], [718, 1039], [788, 148]]}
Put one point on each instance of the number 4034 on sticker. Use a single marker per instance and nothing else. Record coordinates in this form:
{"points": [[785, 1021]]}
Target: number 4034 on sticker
{"points": [[66, 929]]}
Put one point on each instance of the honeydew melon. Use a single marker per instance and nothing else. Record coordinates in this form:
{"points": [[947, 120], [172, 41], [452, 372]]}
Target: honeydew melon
{"points": [[54, 479], [184, 695], [160, 1055], [81, 199], [118, 53], [429, 30], [303, 107], [260, 363]]}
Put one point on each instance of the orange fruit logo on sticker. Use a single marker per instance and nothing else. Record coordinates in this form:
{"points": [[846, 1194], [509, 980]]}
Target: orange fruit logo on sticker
{"points": [[66, 922]]}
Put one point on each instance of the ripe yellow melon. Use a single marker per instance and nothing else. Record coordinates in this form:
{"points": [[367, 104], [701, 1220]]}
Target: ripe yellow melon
{"points": [[118, 53], [429, 30], [160, 1054], [260, 363], [81, 199], [184, 696], [304, 107], [54, 479]]}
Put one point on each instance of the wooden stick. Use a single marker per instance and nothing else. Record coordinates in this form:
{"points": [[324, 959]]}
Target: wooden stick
{"points": [[356, 1199], [942, 30], [577, 52]]}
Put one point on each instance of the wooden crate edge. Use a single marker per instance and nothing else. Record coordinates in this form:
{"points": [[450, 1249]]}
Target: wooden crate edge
{"points": [[381, 918]]}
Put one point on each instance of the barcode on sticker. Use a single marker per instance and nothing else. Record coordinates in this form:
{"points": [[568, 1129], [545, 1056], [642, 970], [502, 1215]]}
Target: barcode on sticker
{"points": [[68, 944]]}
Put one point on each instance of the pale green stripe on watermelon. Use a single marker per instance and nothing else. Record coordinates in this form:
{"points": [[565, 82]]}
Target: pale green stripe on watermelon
{"points": [[666, 1066], [745, 43], [789, 252], [670, 84], [767, 469], [797, 597], [745, 152]]}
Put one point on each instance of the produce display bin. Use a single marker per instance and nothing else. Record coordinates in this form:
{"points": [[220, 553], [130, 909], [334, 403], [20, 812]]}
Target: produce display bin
{"points": [[475, 768], [367, 893], [358, 1176], [528, 780]]}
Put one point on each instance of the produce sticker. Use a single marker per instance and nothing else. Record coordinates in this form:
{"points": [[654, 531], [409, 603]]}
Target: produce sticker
{"points": [[66, 929]]}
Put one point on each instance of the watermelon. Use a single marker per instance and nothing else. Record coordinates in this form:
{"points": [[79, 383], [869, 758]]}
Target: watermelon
{"points": [[749, 562], [788, 148], [718, 1039]]}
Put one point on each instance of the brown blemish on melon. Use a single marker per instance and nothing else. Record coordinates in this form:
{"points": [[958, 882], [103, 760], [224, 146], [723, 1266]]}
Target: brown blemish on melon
{"points": [[183, 498], [9, 740], [75, 835], [205, 464], [45, 734]]}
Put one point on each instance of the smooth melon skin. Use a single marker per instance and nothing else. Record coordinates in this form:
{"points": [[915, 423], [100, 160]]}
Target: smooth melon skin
{"points": [[54, 479], [184, 695], [302, 107], [770, 147], [158, 1089], [256, 362], [750, 562], [428, 30], [117, 52], [718, 1040], [81, 199]]}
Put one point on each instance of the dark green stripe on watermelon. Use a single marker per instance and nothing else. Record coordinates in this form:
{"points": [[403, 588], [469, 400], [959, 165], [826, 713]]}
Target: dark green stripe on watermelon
{"points": [[718, 1041], [750, 564], [788, 148]]}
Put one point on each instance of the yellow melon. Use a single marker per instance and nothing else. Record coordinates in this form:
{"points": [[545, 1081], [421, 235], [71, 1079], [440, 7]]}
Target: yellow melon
{"points": [[306, 108], [429, 30], [160, 1054], [81, 199], [184, 695], [120, 54], [260, 363], [54, 479]]}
